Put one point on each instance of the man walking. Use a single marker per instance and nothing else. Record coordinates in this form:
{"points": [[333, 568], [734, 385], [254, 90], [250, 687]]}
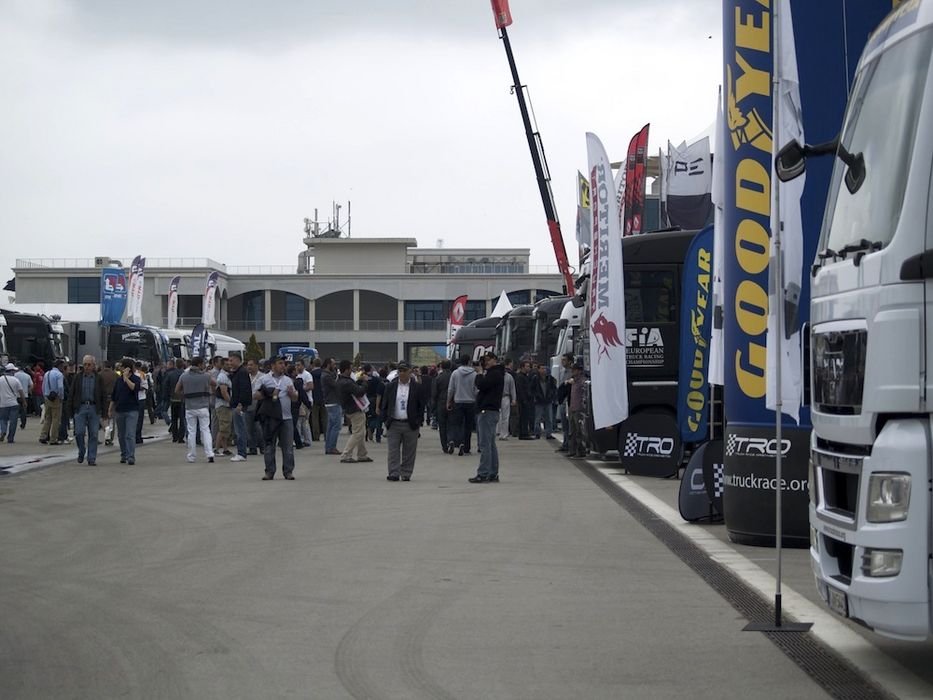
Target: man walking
{"points": [[509, 399], [576, 445], [25, 381], [332, 407], [351, 395], [53, 393], [88, 402], [276, 386], [543, 391], [12, 397], [403, 410], [563, 393], [124, 407], [108, 378], [439, 401], [461, 402], [489, 387], [222, 409], [526, 403], [254, 439], [241, 399], [197, 387], [318, 410], [169, 382]]}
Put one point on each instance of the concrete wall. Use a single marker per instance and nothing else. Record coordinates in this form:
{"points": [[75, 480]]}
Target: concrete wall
{"points": [[349, 256]]}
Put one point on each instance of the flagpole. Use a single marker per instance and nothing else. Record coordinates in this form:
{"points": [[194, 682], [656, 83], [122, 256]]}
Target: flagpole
{"points": [[777, 298]]}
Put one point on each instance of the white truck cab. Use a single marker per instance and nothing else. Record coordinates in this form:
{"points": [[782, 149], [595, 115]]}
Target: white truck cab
{"points": [[872, 342], [569, 322]]}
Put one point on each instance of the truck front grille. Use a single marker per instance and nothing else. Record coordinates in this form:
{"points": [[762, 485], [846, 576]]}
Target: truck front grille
{"points": [[840, 492], [843, 554]]}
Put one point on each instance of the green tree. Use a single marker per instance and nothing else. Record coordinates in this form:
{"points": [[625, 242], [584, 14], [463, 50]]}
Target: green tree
{"points": [[253, 349], [358, 360]]}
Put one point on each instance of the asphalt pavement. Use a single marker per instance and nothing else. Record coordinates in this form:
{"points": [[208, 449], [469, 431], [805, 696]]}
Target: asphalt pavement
{"points": [[174, 580]]}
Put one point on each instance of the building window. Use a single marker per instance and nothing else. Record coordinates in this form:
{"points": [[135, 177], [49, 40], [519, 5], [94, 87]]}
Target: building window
{"points": [[425, 315], [254, 309], [83, 290], [475, 309]]}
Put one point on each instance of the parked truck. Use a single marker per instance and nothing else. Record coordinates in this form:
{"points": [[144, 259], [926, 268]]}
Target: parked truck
{"points": [[31, 338], [653, 266], [872, 340]]}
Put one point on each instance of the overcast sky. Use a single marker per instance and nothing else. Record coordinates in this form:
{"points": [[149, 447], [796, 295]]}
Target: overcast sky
{"points": [[211, 128]]}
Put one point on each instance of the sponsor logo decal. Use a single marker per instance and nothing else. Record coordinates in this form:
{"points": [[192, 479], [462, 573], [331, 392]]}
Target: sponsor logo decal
{"points": [[647, 446]]}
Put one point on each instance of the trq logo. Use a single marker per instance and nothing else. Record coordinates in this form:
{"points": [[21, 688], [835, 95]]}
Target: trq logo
{"points": [[647, 446], [755, 446]]}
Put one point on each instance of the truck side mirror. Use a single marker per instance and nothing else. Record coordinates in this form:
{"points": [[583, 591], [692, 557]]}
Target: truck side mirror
{"points": [[790, 162], [855, 173]]}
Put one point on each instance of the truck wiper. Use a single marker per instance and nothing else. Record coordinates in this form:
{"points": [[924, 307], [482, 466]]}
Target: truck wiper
{"points": [[824, 254], [861, 249]]}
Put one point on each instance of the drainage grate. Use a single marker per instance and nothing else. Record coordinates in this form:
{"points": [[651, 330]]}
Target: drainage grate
{"points": [[833, 672]]}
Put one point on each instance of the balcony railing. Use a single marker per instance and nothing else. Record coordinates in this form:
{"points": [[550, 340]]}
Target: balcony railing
{"points": [[337, 325], [289, 324], [246, 325], [378, 325], [386, 325], [413, 324]]}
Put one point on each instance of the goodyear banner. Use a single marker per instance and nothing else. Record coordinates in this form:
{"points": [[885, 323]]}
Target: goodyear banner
{"points": [[695, 330], [113, 295], [829, 40]]}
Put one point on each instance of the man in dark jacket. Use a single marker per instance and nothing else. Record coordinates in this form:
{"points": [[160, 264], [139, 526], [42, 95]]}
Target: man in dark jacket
{"points": [[439, 401], [331, 400], [241, 398], [318, 411], [169, 381], [352, 393], [403, 410], [544, 393], [88, 403], [526, 402], [489, 387]]}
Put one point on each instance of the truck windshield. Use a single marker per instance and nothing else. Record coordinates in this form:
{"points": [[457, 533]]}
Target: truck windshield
{"points": [[881, 124]]}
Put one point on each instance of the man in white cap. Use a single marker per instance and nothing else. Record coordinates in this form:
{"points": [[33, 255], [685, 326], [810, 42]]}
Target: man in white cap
{"points": [[11, 395]]}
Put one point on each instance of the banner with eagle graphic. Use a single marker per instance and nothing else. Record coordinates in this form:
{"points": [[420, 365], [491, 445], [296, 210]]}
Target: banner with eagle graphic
{"points": [[606, 297]]}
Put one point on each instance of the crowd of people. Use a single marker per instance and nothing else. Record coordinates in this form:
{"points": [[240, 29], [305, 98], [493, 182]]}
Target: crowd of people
{"points": [[234, 409]]}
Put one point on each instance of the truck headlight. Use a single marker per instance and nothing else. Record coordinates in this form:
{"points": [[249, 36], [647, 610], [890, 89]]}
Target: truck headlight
{"points": [[881, 563], [888, 497]]}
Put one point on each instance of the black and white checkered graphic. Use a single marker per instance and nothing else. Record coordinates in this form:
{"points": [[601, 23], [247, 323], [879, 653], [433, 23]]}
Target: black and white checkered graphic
{"points": [[731, 444], [631, 445], [718, 485]]}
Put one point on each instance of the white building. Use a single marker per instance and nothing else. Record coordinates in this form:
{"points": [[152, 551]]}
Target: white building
{"points": [[384, 298]]}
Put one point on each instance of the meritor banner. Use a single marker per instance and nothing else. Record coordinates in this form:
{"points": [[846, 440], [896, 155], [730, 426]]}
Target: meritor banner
{"points": [[606, 295]]}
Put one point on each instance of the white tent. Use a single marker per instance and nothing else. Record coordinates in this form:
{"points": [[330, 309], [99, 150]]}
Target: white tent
{"points": [[503, 306]]}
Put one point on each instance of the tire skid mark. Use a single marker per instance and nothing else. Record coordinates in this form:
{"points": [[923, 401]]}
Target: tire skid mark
{"points": [[420, 607]]}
